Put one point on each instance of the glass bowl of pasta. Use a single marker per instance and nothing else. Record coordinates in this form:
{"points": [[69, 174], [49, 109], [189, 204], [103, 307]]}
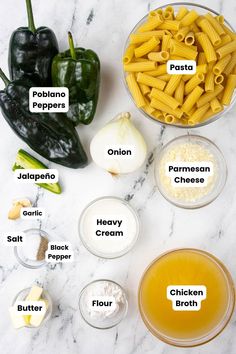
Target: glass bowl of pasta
{"points": [[181, 31]]}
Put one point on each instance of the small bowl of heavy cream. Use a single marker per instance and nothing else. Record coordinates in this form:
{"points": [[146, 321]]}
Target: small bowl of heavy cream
{"points": [[109, 227], [103, 304], [190, 171]]}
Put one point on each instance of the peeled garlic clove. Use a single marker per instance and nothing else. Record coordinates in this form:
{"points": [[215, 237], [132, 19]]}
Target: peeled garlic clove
{"points": [[23, 202], [17, 205], [119, 147], [14, 212]]}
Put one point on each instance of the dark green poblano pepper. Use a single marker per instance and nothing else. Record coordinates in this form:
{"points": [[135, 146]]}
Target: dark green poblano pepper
{"points": [[78, 69], [51, 135], [31, 51]]}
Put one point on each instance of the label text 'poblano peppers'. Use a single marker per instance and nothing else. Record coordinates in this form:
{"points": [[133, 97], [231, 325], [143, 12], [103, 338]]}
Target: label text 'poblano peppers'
{"points": [[49, 99]]}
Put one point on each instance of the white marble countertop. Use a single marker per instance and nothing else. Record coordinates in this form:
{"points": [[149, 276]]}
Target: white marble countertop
{"points": [[104, 25]]}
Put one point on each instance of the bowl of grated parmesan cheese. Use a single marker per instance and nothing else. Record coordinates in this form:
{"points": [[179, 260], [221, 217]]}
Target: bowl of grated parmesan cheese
{"points": [[190, 171]]}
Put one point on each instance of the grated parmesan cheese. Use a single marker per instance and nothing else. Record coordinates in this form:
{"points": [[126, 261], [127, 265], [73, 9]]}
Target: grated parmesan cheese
{"points": [[186, 152]]}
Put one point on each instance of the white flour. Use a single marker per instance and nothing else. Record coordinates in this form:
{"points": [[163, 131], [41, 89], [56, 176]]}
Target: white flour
{"points": [[103, 290]]}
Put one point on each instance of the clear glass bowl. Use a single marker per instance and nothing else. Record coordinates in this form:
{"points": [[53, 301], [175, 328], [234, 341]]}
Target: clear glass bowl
{"points": [[87, 236], [110, 321], [218, 324], [220, 172], [21, 296], [21, 252], [202, 10]]}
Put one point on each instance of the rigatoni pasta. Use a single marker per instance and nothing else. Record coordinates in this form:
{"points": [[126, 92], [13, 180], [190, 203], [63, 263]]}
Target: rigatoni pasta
{"points": [[140, 66], [208, 29], [181, 13], [181, 34], [137, 38], [219, 79], [226, 49], [189, 38], [189, 18], [207, 47], [165, 98], [201, 58], [153, 22], [181, 99], [198, 114], [179, 92], [210, 80], [170, 25], [144, 89], [159, 56], [208, 96], [146, 47], [216, 105], [135, 90], [192, 99], [165, 45], [181, 49], [129, 53], [173, 84], [151, 81], [229, 89], [215, 24], [165, 108], [221, 64], [193, 82]]}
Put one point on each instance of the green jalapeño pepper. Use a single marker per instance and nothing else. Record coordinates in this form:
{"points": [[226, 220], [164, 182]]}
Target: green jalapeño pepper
{"points": [[78, 69], [51, 135], [31, 51]]}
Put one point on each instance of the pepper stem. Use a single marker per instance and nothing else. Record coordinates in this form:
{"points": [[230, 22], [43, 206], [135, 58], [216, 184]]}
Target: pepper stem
{"points": [[4, 78], [72, 47], [31, 24]]}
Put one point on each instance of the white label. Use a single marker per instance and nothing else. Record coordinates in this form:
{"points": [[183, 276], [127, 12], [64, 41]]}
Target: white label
{"points": [[101, 303], [186, 297], [49, 99], [189, 174], [59, 252], [182, 67], [112, 226], [32, 213], [30, 307], [13, 238], [36, 175], [120, 152]]}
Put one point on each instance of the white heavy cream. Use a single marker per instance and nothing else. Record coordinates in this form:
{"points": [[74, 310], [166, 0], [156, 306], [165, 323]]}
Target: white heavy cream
{"points": [[109, 227]]}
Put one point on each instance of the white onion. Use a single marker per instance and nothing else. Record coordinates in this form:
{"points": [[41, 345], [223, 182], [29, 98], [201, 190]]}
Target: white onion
{"points": [[119, 133]]}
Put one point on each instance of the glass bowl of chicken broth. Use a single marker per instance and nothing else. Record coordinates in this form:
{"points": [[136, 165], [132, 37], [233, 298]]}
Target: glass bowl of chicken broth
{"points": [[186, 297]]}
